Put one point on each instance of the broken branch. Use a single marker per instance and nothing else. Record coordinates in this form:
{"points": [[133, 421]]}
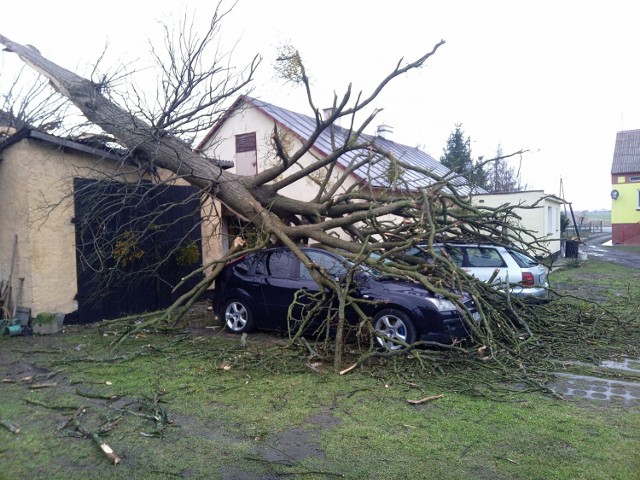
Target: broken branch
{"points": [[10, 426]]}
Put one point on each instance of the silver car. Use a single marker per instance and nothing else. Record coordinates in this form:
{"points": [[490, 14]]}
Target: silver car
{"points": [[526, 277]]}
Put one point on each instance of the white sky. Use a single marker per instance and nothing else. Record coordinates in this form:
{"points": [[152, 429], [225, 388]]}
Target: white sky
{"points": [[557, 78]]}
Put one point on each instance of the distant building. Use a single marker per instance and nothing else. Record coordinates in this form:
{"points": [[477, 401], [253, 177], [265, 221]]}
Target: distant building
{"points": [[625, 189], [539, 214]]}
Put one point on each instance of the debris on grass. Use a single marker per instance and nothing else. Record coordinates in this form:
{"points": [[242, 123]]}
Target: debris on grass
{"points": [[425, 399], [10, 426]]}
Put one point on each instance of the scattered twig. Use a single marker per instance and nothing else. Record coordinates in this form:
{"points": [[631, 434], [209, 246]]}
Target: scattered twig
{"points": [[508, 460], [312, 352], [348, 369], [38, 386], [50, 406], [75, 415], [10, 426], [18, 380], [425, 399], [101, 396], [31, 378], [106, 449]]}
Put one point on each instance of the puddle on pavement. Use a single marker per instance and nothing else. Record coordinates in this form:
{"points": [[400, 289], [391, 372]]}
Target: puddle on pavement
{"points": [[596, 251], [585, 387], [628, 364]]}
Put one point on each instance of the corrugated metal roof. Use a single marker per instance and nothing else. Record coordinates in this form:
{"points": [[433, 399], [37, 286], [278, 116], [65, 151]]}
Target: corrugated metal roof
{"points": [[376, 171], [626, 155]]}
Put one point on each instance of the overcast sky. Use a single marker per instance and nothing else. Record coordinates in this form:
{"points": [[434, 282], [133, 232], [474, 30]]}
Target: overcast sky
{"points": [[556, 78]]}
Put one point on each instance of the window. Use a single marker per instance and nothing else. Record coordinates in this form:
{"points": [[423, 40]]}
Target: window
{"points": [[634, 179], [456, 254], [326, 262], [244, 265], [277, 264], [246, 142], [246, 154], [549, 220], [484, 257]]}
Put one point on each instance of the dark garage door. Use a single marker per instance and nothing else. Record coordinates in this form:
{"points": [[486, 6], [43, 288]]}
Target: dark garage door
{"points": [[134, 243]]}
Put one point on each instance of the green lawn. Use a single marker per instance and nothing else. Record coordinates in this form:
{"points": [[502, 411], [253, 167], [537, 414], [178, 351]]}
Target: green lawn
{"points": [[260, 411]]}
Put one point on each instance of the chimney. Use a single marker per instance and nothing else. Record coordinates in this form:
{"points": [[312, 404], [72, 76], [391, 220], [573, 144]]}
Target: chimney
{"points": [[385, 131], [327, 112]]}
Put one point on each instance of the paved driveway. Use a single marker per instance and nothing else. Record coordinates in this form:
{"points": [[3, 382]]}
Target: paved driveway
{"points": [[584, 387], [597, 247]]}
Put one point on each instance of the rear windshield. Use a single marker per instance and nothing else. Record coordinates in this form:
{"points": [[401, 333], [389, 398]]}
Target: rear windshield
{"points": [[523, 260], [422, 252]]}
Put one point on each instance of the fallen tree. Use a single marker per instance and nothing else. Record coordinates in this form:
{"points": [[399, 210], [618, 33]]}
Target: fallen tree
{"points": [[415, 204]]}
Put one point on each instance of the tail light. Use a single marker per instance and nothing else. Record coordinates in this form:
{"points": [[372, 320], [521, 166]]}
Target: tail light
{"points": [[527, 279]]}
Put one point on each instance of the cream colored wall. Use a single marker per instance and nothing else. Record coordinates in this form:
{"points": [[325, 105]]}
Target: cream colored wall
{"points": [[533, 219], [222, 147], [36, 182], [211, 230], [250, 120]]}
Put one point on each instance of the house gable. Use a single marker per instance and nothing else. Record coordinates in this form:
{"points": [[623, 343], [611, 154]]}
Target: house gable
{"points": [[625, 188], [375, 174]]}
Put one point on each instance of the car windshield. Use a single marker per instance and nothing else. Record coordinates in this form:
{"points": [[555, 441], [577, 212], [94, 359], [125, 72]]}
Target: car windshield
{"points": [[336, 267], [368, 269]]}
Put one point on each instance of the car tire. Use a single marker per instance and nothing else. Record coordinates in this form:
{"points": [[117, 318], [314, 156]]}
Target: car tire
{"points": [[237, 316], [396, 326]]}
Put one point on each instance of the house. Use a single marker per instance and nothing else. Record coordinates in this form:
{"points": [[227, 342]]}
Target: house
{"points": [[244, 135], [625, 189], [539, 214], [50, 255]]}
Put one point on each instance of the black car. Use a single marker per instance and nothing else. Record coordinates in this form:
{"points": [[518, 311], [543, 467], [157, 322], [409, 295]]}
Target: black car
{"points": [[256, 291]]}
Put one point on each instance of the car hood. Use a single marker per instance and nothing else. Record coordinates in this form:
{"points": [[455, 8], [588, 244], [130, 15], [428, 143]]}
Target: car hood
{"points": [[399, 287]]}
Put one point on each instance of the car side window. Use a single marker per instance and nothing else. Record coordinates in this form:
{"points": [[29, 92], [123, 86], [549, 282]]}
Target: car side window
{"points": [[421, 253], [484, 257], [244, 265], [333, 266], [278, 264], [456, 255]]}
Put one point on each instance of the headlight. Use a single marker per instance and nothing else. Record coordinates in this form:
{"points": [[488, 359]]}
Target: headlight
{"points": [[442, 304]]}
